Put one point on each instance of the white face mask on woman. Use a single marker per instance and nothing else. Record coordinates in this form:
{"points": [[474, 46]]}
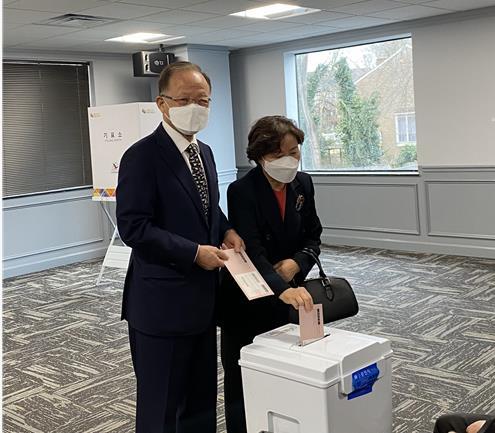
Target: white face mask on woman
{"points": [[282, 169], [189, 119]]}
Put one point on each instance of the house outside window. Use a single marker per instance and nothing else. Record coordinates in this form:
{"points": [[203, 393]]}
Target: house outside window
{"points": [[348, 100]]}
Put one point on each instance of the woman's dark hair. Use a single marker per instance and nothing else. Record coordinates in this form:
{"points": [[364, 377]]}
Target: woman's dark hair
{"points": [[267, 134]]}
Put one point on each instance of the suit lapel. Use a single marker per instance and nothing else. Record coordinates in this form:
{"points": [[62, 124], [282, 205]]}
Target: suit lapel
{"points": [[269, 205], [179, 168], [292, 218]]}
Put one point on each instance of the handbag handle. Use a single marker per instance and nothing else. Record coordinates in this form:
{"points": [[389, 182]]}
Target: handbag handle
{"points": [[329, 293], [314, 256]]}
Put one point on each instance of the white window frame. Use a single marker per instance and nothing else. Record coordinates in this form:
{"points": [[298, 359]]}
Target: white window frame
{"points": [[291, 96], [407, 142]]}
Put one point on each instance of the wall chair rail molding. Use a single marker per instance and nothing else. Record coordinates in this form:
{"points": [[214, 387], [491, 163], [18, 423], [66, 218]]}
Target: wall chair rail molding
{"points": [[460, 201], [51, 229], [445, 210]]}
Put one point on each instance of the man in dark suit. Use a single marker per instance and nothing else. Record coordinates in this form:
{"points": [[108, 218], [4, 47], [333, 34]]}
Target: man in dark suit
{"points": [[168, 213]]}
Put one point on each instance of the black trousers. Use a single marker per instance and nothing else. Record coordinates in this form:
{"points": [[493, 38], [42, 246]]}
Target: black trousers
{"points": [[176, 382], [231, 343], [459, 422]]}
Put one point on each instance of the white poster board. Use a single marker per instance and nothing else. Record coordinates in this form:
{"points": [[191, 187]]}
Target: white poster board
{"points": [[112, 130]]}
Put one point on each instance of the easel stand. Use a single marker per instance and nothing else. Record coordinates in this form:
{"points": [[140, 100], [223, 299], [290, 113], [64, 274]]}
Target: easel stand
{"points": [[117, 256]]}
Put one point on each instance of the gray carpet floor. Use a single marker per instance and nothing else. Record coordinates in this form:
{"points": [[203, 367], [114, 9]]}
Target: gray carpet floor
{"points": [[67, 366]]}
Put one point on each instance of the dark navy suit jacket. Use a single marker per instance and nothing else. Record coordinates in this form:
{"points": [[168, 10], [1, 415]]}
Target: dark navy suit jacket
{"points": [[160, 216]]}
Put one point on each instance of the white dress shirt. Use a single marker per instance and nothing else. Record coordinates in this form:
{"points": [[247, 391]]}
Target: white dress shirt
{"points": [[181, 142]]}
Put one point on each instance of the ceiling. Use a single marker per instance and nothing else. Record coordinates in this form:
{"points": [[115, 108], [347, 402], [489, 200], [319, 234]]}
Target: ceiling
{"points": [[201, 22]]}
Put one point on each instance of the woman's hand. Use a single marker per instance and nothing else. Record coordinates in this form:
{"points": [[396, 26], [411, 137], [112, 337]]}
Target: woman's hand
{"points": [[297, 297], [287, 269], [233, 240]]}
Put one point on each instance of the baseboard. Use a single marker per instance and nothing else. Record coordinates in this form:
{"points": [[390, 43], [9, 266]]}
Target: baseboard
{"points": [[412, 246], [52, 262]]}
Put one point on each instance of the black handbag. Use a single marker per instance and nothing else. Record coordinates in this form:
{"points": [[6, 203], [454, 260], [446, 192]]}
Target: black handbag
{"points": [[334, 293]]}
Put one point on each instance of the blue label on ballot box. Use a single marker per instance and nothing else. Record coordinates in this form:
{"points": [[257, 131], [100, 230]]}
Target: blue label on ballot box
{"points": [[363, 380]]}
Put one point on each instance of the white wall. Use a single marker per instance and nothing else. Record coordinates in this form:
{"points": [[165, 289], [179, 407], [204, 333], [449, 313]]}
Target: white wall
{"points": [[438, 209], [454, 73], [114, 82], [258, 89]]}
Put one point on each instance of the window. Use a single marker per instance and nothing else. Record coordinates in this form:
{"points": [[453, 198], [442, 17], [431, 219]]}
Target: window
{"points": [[405, 128], [356, 104], [45, 122]]}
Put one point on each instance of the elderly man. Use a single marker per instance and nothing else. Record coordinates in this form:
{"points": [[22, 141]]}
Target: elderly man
{"points": [[168, 213]]}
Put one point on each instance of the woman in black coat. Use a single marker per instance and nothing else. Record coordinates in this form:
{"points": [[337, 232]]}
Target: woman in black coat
{"points": [[273, 209]]}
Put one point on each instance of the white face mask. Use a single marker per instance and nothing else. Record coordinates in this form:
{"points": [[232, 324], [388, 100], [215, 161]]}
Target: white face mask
{"points": [[189, 119], [282, 169]]}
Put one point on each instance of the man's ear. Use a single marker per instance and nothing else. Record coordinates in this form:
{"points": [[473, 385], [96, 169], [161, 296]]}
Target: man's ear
{"points": [[160, 102]]}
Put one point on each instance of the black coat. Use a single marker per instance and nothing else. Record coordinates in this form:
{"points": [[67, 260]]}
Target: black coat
{"points": [[254, 213], [160, 216]]}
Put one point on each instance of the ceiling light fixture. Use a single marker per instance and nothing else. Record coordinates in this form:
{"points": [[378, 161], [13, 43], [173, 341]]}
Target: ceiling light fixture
{"points": [[144, 38], [275, 11]]}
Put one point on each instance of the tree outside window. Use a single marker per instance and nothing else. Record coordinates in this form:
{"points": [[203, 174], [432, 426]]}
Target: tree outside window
{"points": [[348, 101]]}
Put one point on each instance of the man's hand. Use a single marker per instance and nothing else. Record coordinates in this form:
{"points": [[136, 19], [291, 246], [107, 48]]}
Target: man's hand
{"points": [[210, 257], [475, 427], [233, 240], [297, 297], [287, 269]]}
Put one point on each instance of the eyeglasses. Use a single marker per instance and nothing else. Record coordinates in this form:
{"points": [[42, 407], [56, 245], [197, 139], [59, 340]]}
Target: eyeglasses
{"points": [[204, 102]]}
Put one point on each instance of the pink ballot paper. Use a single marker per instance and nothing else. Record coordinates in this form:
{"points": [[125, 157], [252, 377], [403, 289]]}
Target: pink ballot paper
{"points": [[246, 275], [310, 324]]}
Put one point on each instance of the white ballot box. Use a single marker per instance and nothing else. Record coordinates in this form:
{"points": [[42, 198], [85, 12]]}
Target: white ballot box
{"points": [[338, 384]]}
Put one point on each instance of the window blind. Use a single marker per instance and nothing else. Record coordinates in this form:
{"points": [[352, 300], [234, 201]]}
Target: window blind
{"points": [[45, 127]]}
